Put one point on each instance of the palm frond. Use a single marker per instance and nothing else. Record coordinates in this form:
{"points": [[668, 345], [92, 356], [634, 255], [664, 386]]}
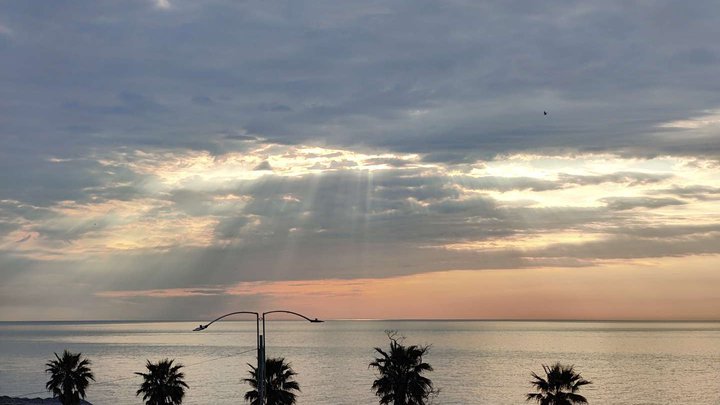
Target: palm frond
{"points": [[559, 387], [70, 376], [400, 379], [280, 386]]}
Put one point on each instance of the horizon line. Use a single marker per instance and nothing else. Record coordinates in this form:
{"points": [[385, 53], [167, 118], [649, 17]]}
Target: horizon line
{"points": [[373, 320]]}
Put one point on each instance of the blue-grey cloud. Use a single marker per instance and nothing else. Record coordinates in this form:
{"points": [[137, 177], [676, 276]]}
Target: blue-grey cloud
{"points": [[690, 191], [628, 203], [454, 80]]}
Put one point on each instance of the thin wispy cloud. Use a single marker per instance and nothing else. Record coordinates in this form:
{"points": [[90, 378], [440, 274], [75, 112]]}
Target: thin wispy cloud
{"points": [[5, 30], [164, 4], [708, 119]]}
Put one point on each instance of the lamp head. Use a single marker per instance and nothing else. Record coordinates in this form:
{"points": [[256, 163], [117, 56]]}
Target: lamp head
{"points": [[316, 321], [199, 328]]}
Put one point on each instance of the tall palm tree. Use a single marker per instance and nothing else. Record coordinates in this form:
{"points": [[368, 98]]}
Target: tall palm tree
{"points": [[401, 381], [70, 376], [163, 384], [560, 386], [279, 383]]}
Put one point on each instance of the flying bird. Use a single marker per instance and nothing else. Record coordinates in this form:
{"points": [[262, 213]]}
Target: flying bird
{"points": [[544, 112]]}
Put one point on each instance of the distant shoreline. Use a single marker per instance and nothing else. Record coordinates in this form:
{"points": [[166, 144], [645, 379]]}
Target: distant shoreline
{"points": [[125, 321], [6, 400]]}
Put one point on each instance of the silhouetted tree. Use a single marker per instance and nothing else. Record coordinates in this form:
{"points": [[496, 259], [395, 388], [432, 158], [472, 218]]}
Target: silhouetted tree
{"points": [[279, 383], [70, 376], [401, 381], [560, 386], [163, 384]]}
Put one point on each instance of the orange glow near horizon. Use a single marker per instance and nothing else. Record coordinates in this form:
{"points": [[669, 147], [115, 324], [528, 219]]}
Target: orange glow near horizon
{"points": [[658, 292], [671, 289]]}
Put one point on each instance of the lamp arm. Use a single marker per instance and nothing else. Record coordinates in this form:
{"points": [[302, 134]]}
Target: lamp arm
{"points": [[257, 316], [292, 313]]}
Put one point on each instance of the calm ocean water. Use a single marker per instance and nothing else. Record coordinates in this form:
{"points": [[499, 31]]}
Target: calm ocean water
{"points": [[475, 362]]}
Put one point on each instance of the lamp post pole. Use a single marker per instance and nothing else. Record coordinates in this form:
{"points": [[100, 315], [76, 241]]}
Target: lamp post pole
{"points": [[260, 370]]}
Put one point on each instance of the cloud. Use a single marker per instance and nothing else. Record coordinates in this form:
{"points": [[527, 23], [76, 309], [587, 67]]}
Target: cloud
{"points": [[367, 140], [690, 191], [510, 183], [628, 203], [24, 238], [203, 100], [631, 178], [263, 166], [166, 293], [4, 30], [163, 4], [668, 232], [623, 247], [708, 119], [454, 93], [386, 216], [128, 103]]}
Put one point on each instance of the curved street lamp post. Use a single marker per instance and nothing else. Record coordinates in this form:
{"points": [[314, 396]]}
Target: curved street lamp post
{"points": [[260, 371]]}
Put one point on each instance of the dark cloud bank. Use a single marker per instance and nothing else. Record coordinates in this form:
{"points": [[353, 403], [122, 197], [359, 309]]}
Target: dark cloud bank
{"points": [[460, 78]]}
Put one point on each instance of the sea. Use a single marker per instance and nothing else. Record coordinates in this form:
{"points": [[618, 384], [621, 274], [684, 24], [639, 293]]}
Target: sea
{"points": [[474, 362]]}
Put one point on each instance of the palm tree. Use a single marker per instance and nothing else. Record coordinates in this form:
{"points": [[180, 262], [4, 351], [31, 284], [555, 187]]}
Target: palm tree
{"points": [[163, 384], [279, 383], [401, 381], [559, 388], [69, 377]]}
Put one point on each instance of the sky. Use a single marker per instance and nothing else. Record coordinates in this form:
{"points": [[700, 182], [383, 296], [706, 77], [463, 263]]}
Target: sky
{"points": [[176, 159]]}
